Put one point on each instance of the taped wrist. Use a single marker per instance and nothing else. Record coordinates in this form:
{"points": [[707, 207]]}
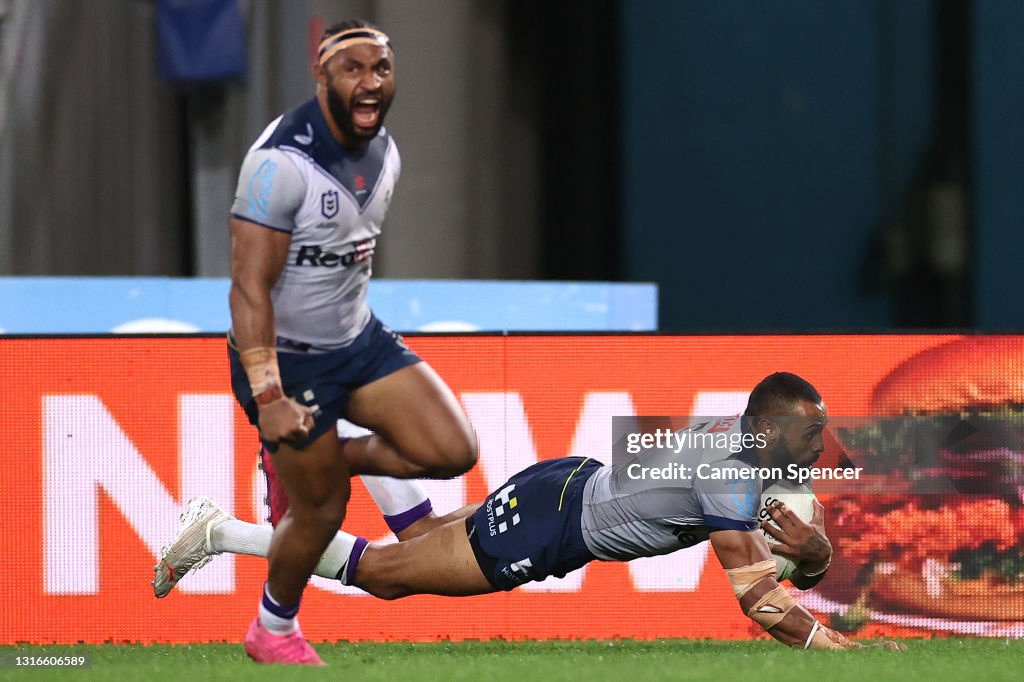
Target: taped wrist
{"points": [[762, 599], [264, 375], [771, 606]]}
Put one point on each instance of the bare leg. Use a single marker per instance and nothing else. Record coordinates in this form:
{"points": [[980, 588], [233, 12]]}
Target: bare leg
{"points": [[374, 455], [420, 428], [432, 521], [239, 537], [439, 562], [389, 495], [316, 480]]}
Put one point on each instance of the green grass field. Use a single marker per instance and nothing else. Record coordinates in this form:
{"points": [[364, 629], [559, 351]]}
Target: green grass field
{"points": [[623, 661]]}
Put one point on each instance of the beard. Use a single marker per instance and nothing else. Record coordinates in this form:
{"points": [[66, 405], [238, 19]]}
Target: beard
{"points": [[782, 456], [341, 112]]}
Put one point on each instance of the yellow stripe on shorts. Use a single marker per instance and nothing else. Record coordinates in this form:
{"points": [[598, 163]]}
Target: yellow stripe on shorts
{"points": [[562, 496]]}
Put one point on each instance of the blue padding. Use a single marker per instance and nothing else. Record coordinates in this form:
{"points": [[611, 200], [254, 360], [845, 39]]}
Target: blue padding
{"points": [[200, 40], [87, 305]]}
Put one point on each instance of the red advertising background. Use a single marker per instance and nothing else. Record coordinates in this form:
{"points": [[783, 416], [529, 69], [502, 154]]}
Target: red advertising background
{"points": [[105, 439]]}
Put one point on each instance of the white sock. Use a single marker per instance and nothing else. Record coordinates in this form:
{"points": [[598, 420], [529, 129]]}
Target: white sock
{"points": [[402, 502], [334, 563], [239, 537], [395, 495], [280, 620]]}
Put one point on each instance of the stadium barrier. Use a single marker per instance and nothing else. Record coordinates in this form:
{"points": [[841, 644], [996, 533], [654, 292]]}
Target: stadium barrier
{"points": [[107, 438], [189, 305]]}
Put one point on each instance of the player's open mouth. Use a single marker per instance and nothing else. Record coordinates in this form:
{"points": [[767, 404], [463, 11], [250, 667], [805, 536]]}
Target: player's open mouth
{"points": [[366, 112]]}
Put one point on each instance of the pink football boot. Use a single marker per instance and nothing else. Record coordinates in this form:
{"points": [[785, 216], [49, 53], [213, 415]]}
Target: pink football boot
{"points": [[264, 646]]}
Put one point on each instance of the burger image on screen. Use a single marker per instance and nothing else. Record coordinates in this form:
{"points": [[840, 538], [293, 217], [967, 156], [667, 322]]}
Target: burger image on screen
{"points": [[946, 537]]}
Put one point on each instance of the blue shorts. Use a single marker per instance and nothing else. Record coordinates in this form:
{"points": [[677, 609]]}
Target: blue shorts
{"points": [[328, 379], [529, 528]]}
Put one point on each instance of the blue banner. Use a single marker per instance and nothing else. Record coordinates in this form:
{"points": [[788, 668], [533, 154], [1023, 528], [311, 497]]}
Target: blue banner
{"points": [[84, 305]]}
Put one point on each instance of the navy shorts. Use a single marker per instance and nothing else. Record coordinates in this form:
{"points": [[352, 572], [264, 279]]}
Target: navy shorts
{"points": [[529, 528], [328, 379]]}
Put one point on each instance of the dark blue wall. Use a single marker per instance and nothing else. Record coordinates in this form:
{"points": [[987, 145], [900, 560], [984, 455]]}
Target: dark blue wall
{"points": [[754, 170], [998, 131]]}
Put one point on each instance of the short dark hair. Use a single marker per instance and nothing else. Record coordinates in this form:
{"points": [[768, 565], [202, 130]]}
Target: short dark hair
{"points": [[346, 25], [777, 393]]}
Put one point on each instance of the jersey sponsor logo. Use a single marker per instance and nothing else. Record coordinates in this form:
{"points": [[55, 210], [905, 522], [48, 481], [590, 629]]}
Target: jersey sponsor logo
{"points": [[316, 256], [518, 572], [306, 139], [329, 203], [259, 189], [501, 511]]}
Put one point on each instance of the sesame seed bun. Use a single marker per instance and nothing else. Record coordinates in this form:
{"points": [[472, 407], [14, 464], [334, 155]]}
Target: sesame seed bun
{"points": [[969, 372]]}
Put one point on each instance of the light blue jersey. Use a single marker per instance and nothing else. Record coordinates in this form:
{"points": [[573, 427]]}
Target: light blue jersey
{"points": [[298, 179], [625, 519]]}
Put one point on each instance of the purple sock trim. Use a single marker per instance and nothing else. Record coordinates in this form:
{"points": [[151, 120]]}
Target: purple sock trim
{"points": [[271, 605], [400, 522], [353, 559]]}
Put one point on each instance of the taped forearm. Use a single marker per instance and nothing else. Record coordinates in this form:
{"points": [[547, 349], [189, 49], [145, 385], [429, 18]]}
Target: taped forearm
{"points": [[769, 605], [798, 628], [822, 637]]}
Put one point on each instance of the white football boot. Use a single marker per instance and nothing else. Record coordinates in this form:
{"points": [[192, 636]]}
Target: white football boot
{"points": [[190, 549]]}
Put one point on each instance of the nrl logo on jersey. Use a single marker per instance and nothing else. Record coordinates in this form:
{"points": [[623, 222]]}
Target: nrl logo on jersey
{"points": [[329, 203]]}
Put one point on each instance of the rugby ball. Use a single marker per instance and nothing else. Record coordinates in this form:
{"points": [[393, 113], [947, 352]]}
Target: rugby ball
{"points": [[800, 499]]}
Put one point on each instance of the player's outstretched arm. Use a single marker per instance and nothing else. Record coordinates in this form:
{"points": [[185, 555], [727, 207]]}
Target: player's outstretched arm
{"points": [[751, 570]]}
